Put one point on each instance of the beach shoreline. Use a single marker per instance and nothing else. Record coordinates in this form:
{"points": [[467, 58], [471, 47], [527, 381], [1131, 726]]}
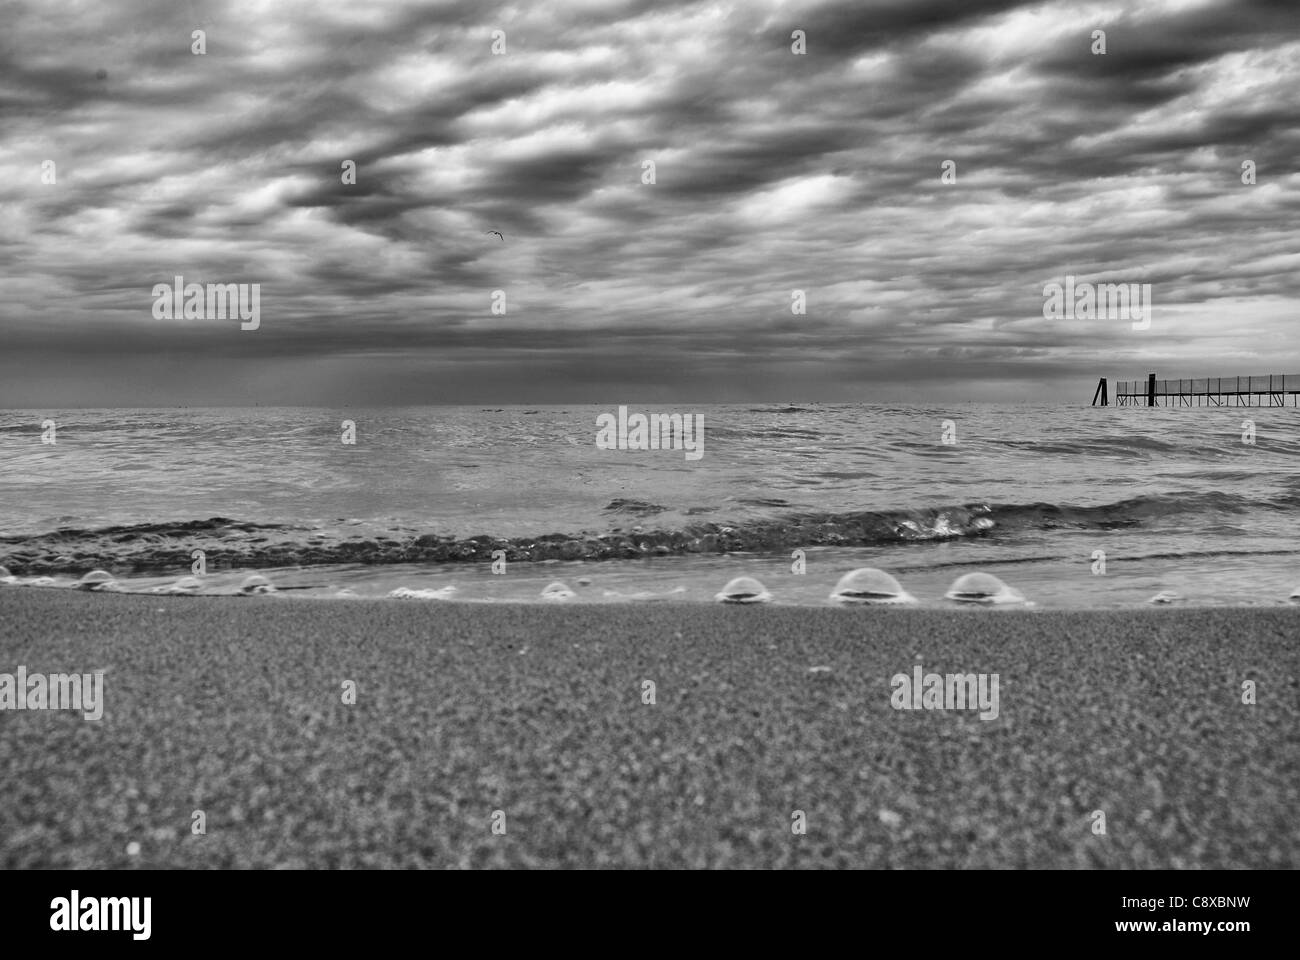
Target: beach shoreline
{"points": [[234, 708]]}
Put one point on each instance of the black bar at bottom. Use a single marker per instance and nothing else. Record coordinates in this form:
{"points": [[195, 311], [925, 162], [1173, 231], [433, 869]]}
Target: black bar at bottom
{"points": [[339, 909]]}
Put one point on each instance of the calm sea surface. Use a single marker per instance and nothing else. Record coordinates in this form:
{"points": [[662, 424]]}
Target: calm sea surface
{"points": [[1173, 496]]}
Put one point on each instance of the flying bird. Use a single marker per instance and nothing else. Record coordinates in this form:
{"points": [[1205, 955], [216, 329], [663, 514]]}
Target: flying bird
{"points": [[497, 234]]}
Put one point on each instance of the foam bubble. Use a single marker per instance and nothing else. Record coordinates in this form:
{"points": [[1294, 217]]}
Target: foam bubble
{"points": [[743, 590], [255, 584], [97, 580], [406, 593], [557, 591], [869, 585], [982, 588]]}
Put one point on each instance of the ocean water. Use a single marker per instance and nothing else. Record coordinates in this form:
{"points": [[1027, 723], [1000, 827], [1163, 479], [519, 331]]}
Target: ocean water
{"points": [[424, 497]]}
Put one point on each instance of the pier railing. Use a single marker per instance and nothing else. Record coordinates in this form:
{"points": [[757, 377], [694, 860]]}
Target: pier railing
{"points": [[1254, 391]]}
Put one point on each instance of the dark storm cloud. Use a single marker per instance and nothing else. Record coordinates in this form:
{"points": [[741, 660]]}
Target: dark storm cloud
{"points": [[774, 173], [851, 26]]}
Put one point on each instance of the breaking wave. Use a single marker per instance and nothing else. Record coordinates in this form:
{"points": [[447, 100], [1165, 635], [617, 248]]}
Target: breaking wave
{"points": [[228, 543]]}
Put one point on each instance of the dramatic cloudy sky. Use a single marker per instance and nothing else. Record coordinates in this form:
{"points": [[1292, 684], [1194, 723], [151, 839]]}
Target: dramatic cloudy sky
{"points": [[775, 172]]}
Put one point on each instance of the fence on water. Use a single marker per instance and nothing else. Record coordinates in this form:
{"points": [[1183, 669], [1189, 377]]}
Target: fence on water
{"points": [[1251, 391]]}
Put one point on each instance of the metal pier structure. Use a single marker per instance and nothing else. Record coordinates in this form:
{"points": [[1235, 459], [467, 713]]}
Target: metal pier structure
{"points": [[1270, 390]]}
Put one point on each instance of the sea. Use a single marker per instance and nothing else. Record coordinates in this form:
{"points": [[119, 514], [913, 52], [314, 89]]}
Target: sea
{"points": [[1071, 506]]}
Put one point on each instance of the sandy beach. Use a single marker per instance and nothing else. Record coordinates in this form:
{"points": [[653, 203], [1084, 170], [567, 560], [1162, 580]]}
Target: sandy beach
{"points": [[234, 707]]}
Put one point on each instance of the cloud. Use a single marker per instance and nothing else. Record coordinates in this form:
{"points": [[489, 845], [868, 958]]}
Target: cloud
{"points": [[773, 173]]}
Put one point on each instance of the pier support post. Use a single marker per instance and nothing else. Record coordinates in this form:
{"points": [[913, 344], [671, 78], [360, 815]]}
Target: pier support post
{"points": [[1151, 389], [1100, 392]]}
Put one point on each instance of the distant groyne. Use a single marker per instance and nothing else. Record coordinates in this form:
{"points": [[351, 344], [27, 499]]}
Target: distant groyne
{"points": [[1269, 390]]}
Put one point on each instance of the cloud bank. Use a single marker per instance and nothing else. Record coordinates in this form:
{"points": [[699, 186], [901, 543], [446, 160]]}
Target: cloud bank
{"points": [[773, 172]]}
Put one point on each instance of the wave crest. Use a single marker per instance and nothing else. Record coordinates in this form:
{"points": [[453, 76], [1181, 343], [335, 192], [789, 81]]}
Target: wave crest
{"points": [[234, 544]]}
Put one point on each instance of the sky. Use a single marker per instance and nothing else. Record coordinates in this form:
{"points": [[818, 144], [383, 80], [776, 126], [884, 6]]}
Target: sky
{"points": [[774, 172]]}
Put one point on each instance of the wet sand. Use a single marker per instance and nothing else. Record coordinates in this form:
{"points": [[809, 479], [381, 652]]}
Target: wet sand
{"points": [[234, 707]]}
